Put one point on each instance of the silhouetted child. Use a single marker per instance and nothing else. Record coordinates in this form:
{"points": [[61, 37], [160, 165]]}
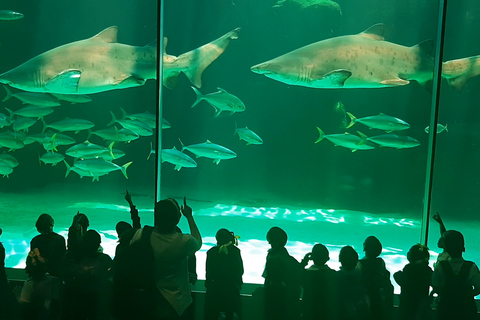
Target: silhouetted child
{"points": [[415, 281], [51, 245], [320, 286], [40, 295], [76, 231], [224, 270], [353, 299], [282, 279], [456, 281], [376, 279], [86, 273]]}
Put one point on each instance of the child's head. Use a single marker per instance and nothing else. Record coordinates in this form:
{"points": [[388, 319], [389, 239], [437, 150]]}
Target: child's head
{"points": [[418, 254], [454, 243], [224, 236], [167, 215], [121, 227], [36, 264], [91, 241], [44, 223], [277, 237], [348, 258], [372, 247], [320, 254]]}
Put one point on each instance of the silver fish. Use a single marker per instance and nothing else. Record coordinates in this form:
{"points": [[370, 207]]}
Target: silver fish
{"points": [[220, 101]]}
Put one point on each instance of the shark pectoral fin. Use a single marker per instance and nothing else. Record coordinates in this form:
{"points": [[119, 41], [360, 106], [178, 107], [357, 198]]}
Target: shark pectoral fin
{"points": [[395, 82], [64, 82], [458, 83], [171, 81], [130, 81], [337, 78]]}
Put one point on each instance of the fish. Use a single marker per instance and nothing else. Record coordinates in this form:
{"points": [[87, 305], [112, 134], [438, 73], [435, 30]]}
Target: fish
{"points": [[116, 154], [99, 166], [88, 150], [304, 4], [381, 122], [82, 173], [346, 140], [210, 150], [23, 123], [4, 120], [139, 127], [440, 128], [177, 158], [31, 111], [10, 15], [166, 124], [113, 134], [99, 64], [193, 63], [52, 138], [5, 168], [52, 158], [10, 141], [248, 136], [73, 98], [11, 160], [220, 101], [34, 98], [394, 141], [69, 124], [364, 60]]}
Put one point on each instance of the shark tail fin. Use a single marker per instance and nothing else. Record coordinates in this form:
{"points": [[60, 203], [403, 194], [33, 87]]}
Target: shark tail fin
{"points": [[352, 120], [205, 55], [9, 94], [114, 119], [200, 96], [124, 168], [458, 72], [321, 135]]}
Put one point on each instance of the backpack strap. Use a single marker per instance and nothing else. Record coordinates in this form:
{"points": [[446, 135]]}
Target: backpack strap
{"points": [[447, 268]]}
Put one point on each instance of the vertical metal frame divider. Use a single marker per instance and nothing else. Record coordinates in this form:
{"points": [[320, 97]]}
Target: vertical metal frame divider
{"points": [[159, 90], [432, 137]]}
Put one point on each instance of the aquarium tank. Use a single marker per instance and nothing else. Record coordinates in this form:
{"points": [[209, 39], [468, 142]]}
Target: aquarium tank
{"points": [[310, 115]]}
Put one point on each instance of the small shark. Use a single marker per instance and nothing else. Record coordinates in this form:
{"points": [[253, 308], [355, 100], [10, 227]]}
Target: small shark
{"points": [[364, 60], [100, 64]]}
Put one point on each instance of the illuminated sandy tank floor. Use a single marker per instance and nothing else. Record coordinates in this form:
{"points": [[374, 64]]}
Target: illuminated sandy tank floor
{"points": [[305, 227]]}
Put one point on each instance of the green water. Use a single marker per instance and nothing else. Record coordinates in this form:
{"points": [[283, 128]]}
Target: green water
{"points": [[378, 191]]}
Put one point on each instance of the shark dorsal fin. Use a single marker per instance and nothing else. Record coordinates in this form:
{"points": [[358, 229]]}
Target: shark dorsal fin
{"points": [[165, 41], [208, 141], [174, 148], [381, 114], [375, 32], [221, 90], [108, 35]]}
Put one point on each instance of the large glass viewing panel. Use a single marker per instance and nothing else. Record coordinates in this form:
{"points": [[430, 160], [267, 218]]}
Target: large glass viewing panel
{"points": [[317, 192], [34, 187], [456, 184]]}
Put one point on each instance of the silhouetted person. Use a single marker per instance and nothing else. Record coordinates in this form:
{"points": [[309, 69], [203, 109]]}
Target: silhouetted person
{"points": [[224, 270], [85, 273], [282, 279], [7, 300], [76, 231], [40, 297], [415, 280], [50, 244], [171, 292], [456, 281], [320, 286], [354, 303], [376, 279]]}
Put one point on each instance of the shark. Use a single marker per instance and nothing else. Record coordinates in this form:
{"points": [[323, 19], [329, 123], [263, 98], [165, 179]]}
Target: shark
{"points": [[364, 60], [100, 63]]}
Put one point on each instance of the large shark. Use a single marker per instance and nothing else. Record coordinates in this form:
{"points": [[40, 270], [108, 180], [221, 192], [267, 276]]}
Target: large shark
{"points": [[100, 64], [364, 60]]}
